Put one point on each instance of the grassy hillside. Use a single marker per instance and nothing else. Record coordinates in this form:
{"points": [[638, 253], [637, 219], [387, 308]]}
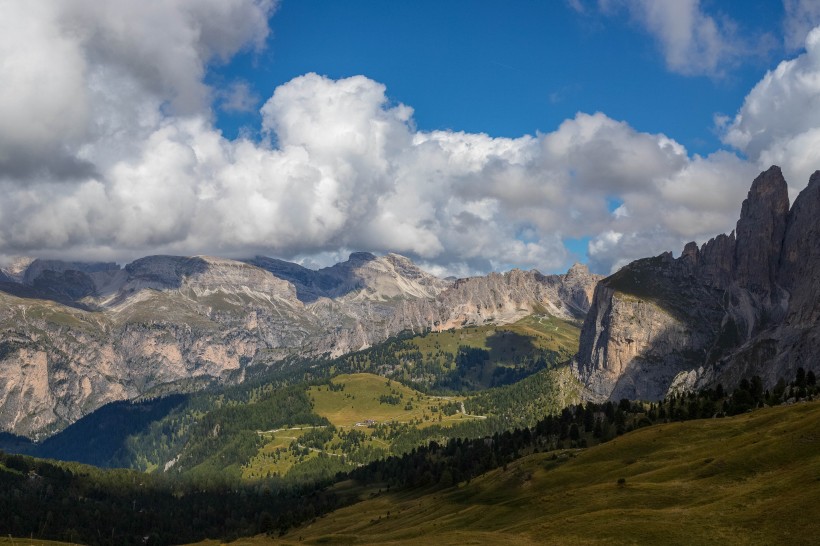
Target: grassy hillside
{"points": [[470, 359], [367, 415], [373, 416], [457, 362], [749, 479], [364, 396], [309, 419], [524, 403], [532, 332]]}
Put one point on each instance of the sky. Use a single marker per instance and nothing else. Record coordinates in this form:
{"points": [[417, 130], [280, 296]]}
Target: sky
{"points": [[469, 136]]}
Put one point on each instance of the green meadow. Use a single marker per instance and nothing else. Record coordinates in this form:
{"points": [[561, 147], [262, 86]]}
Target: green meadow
{"points": [[350, 402], [749, 479]]}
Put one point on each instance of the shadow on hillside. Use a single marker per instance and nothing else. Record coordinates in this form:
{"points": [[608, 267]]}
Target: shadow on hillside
{"points": [[166, 271], [505, 346], [99, 438], [699, 313], [330, 282], [649, 374], [28, 292], [69, 286]]}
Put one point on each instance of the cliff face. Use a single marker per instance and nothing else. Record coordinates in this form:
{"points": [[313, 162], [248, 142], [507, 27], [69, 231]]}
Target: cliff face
{"points": [[800, 258], [75, 336], [510, 296], [743, 304], [646, 323]]}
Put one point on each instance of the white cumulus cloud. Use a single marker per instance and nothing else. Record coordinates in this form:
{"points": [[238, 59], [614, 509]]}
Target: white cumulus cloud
{"points": [[694, 41], [779, 122], [119, 158]]}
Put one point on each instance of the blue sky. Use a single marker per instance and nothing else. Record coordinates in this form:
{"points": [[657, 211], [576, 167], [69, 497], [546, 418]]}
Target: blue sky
{"points": [[511, 68], [469, 136]]}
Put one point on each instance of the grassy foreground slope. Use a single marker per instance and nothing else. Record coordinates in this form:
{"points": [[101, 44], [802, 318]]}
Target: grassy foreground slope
{"points": [[749, 479]]}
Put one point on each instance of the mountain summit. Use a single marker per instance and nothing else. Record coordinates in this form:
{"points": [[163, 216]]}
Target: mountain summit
{"points": [[742, 304]]}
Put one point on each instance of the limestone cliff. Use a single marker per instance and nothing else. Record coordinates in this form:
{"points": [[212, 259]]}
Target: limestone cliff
{"points": [[510, 296], [742, 304]]}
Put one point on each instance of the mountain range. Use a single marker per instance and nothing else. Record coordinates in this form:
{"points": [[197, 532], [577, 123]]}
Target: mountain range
{"points": [[75, 336]]}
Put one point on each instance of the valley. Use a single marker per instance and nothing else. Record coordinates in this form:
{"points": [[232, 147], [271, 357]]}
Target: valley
{"points": [[743, 479], [328, 416], [365, 414], [76, 336]]}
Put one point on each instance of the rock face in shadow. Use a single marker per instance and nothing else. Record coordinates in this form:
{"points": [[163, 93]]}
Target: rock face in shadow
{"points": [[799, 268], [759, 233], [75, 336], [742, 304]]}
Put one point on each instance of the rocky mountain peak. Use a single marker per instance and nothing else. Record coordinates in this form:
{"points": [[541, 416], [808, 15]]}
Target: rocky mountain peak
{"points": [[760, 232], [206, 275], [690, 254], [715, 261], [163, 272], [37, 267], [579, 274], [578, 269], [743, 304], [64, 280], [578, 286], [814, 180], [358, 257], [392, 276]]}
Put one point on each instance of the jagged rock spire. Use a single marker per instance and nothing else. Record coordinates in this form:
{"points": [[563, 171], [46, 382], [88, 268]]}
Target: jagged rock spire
{"points": [[760, 231]]}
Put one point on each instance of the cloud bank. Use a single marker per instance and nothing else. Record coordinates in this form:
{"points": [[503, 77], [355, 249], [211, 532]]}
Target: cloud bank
{"points": [[108, 150]]}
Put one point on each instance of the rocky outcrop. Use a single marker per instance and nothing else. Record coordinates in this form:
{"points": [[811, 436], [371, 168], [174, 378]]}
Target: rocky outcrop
{"points": [[16, 270], [646, 323], [510, 296], [373, 299], [742, 304], [74, 336]]}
